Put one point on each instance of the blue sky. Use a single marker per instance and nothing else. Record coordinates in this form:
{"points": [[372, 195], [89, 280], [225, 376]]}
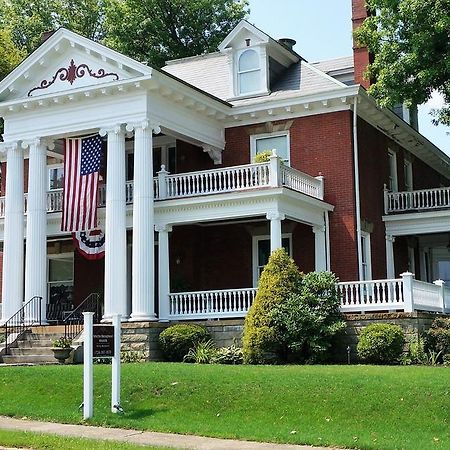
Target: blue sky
{"points": [[322, 29]]}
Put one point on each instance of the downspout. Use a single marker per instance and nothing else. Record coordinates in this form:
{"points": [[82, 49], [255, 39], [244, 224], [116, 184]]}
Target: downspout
{"points": [[357, 196]]}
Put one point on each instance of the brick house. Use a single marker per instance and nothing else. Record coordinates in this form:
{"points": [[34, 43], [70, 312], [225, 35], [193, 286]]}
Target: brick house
{"points": [[189, 218]]}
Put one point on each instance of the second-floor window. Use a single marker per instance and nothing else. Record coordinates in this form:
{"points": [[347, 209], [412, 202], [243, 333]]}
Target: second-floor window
{"points": [[393, 183], [268, 142], [55, 177]]}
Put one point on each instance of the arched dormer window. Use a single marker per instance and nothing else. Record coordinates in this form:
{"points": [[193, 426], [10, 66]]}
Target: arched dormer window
{"points": [[249, 72]]}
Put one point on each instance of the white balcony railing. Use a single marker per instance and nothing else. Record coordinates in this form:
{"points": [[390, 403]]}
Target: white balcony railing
{"points": [[211, 304], [425, 199], [208, 182]]}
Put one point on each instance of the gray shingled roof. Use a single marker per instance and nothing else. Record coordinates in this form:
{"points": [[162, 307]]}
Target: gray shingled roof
{"points": [[211, 74], [331, 65]]}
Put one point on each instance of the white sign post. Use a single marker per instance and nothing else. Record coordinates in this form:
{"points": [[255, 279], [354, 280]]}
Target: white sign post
{"points": [[115, 385], [88, 369]]}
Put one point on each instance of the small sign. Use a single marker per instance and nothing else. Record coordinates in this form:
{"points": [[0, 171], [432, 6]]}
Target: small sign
{"points": [[103, 341]]}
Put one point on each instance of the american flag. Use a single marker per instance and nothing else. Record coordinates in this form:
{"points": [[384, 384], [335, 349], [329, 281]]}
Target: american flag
{"points": [[82, 157]]}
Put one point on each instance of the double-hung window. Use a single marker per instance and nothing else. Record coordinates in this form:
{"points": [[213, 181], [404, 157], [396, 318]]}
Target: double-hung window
{"points": [[55, 177], [248, 72], [269, 142]]}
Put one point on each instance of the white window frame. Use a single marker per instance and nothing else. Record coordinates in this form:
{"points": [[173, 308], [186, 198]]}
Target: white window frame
{"points": [[255, 137], [49, 168], [238, 72], [367, 265], [255, 242], [408, 174], [393, 173]]}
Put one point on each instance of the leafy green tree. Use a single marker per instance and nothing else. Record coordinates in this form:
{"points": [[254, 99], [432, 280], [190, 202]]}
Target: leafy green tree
{"points": [[158, 30], [10, 55], [410, 41]]}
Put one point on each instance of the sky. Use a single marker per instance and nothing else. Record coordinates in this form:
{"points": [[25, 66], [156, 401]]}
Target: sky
{"points": [[322, 29]]}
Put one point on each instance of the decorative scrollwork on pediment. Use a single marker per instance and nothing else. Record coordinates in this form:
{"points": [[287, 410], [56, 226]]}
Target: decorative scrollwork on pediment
{"points": [[71, 73]]}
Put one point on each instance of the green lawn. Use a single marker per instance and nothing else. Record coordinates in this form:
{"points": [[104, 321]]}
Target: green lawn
{"points": [[353, 406], [49, 442]]}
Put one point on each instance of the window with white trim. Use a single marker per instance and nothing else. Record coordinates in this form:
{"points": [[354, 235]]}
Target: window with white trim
{"points": [[248, 72], [55, 177], [408, 174], [261, 253], [393, 182], [366, 256], [271, 141]]}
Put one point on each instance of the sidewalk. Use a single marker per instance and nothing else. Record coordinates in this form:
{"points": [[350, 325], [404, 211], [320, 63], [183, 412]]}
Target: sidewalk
{"points": [[178, 441]]}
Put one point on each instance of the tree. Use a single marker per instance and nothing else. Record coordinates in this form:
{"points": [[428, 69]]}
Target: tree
{"points": [[10, 55], [410, 41], [158, 30]]}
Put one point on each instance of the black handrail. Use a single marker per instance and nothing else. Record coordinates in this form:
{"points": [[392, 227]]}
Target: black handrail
{"points": [[73, 322], [30, 314]]}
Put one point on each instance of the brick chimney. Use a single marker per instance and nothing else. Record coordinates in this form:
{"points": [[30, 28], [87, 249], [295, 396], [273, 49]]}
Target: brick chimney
{"points": [[361, 55]]}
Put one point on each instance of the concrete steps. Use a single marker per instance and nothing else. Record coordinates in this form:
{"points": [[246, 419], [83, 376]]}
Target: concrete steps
{"points": [[34, 347]]}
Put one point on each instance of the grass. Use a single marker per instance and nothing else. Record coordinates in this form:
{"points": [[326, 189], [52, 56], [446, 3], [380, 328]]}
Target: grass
{"points": [[364, 407], [50, 442]]}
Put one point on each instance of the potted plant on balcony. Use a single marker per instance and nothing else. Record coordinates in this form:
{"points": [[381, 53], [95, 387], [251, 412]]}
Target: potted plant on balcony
{"points": [[61, 349]]}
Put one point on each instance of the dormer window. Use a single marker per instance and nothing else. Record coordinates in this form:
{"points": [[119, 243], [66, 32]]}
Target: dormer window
{"points": [[249, 72]]}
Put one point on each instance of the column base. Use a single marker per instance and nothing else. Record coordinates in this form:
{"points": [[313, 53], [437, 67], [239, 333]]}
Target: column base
{"points": [[142, 318], [163, 320], [108, 319]]}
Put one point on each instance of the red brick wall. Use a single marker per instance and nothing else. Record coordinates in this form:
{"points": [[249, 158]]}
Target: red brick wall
{"points": [[191, 158], [3, 177], [319, 144]]}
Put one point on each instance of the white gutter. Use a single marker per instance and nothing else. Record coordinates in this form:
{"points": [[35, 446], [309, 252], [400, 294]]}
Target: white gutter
{"points": [[357, 197]]}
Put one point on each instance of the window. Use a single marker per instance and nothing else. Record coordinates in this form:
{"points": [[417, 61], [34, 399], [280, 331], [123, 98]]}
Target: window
{"points": [[261, 253], [278, 142], [393, 184], [55, 177], [60, 285], [164, 155], [408, 174], [366, 256], [249, 72]]}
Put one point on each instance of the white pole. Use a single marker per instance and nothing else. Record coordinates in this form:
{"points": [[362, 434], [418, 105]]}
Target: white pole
{"points": [[88, 370], [115, 386]]}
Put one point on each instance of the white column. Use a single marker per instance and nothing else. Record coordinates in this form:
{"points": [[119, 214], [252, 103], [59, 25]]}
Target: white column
{"points": [[143, 267], [115, 226], [275, 229], [36, 234], [164, 270], [390, 266], [320, 248], [12, 290]]}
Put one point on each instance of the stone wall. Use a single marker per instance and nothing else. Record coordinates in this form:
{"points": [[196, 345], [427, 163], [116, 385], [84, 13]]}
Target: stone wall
{"points": [[142, 337]]}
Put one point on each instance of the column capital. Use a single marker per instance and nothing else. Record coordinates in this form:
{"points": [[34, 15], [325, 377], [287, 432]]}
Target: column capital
{"points": [[163, 227], [6, 146], [275, 215], [144, 124], [38, 141], [112, 129], [318, 229], [390, 238]]}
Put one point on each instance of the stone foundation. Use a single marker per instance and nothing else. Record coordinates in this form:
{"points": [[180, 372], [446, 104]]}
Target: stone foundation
{"points": [[142, 337]]}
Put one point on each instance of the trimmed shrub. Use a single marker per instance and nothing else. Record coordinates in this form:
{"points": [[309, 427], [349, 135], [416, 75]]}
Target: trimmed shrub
{"points": [[228, 355], [306, 323], [381, 343], [279, 279], [437, 338], [176, 341]]}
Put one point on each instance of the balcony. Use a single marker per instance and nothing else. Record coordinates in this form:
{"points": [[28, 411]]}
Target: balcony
{"points": [[414, 201], [208, 182]]}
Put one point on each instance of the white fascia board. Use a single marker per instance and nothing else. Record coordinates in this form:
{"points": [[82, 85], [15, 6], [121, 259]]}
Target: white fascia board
{"points": [[417, 223], [243, 24]]}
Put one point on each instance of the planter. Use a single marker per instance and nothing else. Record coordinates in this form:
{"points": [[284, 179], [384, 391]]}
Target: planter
{"points": [[61, 354]]}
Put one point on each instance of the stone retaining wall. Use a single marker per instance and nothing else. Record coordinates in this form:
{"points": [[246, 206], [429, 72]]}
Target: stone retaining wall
{"points": [[142, 337]]}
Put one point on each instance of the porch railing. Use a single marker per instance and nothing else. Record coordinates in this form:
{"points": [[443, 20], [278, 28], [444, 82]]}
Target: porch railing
{"points": [[73, 322], [405, 294], [424, 199], [30, 314], [207, 182], [211, 304]]}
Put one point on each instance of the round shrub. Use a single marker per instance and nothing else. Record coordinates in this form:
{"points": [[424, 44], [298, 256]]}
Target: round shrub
{"points": [[437, 338], [176, 341], [381, 343]]}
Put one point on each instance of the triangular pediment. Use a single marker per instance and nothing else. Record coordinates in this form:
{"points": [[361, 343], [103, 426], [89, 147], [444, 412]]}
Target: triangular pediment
{"points": [[242, 31], [68, 61]]}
